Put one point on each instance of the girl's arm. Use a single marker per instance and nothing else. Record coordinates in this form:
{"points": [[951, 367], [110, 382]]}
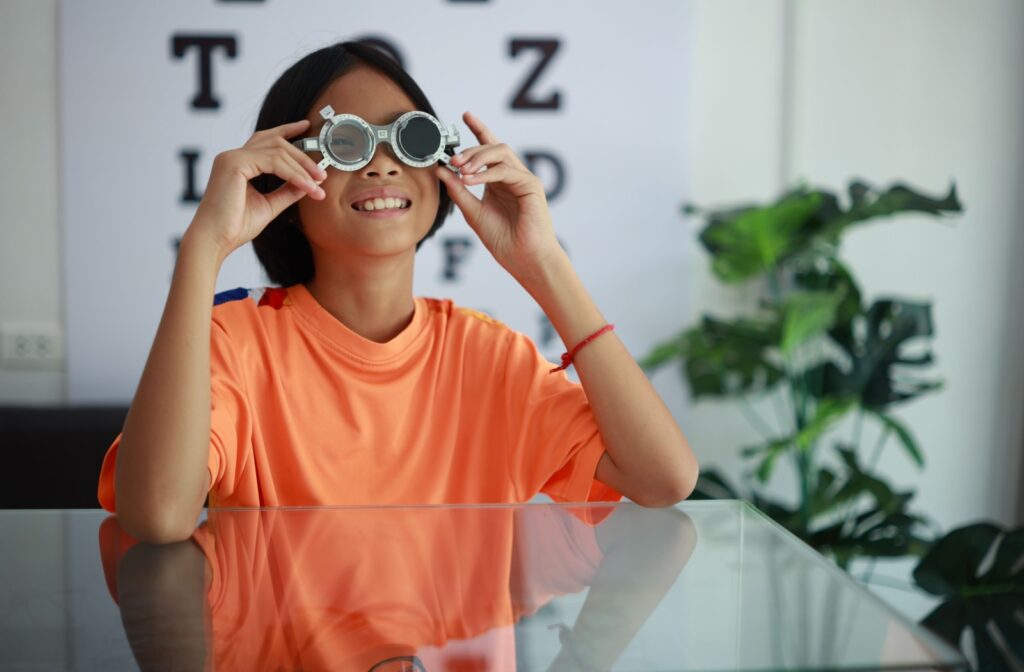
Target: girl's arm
{"points": [[161, 476], [647, 459]]}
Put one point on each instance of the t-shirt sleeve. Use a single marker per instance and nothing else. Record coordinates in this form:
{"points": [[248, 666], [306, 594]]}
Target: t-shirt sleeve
{"points": [[554, 444], [230, 424]]}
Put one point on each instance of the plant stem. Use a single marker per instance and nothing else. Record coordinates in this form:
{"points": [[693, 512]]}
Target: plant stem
{"points": [[870, 571], [804, 469], [754, 419], [878, 449], [778, 403], [798, 394], [855, 441]]}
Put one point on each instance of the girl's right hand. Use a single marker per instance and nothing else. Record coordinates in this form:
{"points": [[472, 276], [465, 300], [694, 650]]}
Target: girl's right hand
{"points": [[232, 212]]}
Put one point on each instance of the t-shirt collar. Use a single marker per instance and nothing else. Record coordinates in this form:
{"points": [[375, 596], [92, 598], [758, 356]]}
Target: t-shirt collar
{"points": [[334, 331]]}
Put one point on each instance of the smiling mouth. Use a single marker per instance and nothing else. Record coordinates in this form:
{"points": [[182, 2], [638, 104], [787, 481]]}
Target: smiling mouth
{"points": [[382, 205]]}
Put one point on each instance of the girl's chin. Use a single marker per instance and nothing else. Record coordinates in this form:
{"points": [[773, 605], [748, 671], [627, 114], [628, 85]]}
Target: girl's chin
{"points": [[381, 241]]}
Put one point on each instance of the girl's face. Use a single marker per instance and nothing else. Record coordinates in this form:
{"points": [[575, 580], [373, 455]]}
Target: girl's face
{"points": [[334, 223]]}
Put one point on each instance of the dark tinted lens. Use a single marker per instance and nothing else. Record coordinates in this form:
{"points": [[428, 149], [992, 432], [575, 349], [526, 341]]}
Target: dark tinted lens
{"points": [[419, 138], [348, 142]]}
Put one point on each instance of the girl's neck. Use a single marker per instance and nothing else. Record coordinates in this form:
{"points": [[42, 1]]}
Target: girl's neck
{"points": [[371, 296]]}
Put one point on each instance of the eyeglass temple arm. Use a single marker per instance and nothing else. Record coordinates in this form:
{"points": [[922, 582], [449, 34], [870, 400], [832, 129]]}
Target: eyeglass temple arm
{"points": [[451, 140], [308, 144]]}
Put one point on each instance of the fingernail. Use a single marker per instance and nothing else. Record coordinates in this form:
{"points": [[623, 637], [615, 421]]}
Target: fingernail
{"points": [[321, 193]]}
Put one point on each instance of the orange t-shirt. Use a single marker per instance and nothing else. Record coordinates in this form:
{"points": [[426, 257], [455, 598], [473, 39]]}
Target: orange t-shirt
{"points": [[457, 408]]}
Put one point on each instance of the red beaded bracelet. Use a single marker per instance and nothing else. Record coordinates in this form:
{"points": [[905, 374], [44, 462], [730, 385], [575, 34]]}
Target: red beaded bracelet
{"points": [[567, 357]]}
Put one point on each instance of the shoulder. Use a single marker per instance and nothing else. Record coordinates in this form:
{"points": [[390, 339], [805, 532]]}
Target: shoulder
{"points": [[242, 298], [461, 319], [236, 308], [486, 340]]}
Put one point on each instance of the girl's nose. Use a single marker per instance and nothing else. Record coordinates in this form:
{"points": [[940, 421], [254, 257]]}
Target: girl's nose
{"points": [[384, 162]]}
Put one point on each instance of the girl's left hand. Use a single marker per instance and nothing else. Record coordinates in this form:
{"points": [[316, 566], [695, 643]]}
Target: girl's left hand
{"points": [[512, 219]]}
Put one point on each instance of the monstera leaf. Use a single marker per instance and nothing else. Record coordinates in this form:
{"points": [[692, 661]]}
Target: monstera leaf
{"points": [[722, 358], [868, 203], [750, 240], [815, 340], [756, 239], [984, 601], [882, 528], [807, 314], [876, 370], [831, 275]]}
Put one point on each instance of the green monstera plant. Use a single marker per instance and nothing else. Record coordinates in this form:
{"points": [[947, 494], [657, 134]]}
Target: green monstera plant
{"points": [[824, 353], [987, 601], [817, 349]]}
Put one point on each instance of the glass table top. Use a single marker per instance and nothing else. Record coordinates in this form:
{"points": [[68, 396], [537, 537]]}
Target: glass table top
{"points": [[712, 585]]}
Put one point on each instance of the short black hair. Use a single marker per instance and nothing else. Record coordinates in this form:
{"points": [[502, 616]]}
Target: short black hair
{"points": [[282, 248]]}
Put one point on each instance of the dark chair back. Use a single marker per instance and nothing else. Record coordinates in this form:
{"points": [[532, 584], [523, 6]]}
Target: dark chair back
{"points": [[52, 455]]}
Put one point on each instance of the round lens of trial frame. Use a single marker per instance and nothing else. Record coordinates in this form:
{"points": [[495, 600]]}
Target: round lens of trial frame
{"points": [[349, 142], [419, 138]]}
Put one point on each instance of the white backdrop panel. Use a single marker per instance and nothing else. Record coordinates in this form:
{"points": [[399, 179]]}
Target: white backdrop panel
{"points": [[621, 133]]}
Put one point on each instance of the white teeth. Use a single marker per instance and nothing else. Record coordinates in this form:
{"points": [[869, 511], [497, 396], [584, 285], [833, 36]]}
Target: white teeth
{"points": [[382, 204]]}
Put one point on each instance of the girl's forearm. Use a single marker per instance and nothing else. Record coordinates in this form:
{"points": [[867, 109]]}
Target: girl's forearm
{"points": [[161, 478], [648, 457]]}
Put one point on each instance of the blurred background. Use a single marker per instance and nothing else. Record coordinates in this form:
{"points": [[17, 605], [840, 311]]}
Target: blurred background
{"points": [[713, 102]]}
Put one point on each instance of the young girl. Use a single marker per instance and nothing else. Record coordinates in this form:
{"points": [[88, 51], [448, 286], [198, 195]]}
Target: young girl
{"points": [[340, 386]]}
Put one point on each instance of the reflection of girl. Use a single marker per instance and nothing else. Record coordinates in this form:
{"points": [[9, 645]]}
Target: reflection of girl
{"points": [[341, 386], [345, 589]]}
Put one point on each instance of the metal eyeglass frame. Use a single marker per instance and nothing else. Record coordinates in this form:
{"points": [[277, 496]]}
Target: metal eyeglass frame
{"points": [[388, 133]]}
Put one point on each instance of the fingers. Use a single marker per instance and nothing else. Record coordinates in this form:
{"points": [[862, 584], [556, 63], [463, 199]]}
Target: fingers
{"points": [[474, 159], [460, 195], [282, 197], [285, 166], [482, 133], [490, 150], [311, 166], [271, 138], [282, 131], [519, 182]]}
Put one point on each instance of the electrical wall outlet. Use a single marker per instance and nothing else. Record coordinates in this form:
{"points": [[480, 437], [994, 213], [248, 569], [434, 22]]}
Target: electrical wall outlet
{"points": [[27, 345]]}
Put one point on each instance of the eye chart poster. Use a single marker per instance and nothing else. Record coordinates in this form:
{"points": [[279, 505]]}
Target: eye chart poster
{"points": [[592, 96]]}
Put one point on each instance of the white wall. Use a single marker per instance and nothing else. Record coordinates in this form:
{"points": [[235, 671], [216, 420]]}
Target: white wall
{"points": [[930, 92], [921, 91], [30, 270]]}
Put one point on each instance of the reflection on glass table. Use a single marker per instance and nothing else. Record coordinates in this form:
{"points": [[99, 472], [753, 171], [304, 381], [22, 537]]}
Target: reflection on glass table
{"points": [[704, 585]]}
